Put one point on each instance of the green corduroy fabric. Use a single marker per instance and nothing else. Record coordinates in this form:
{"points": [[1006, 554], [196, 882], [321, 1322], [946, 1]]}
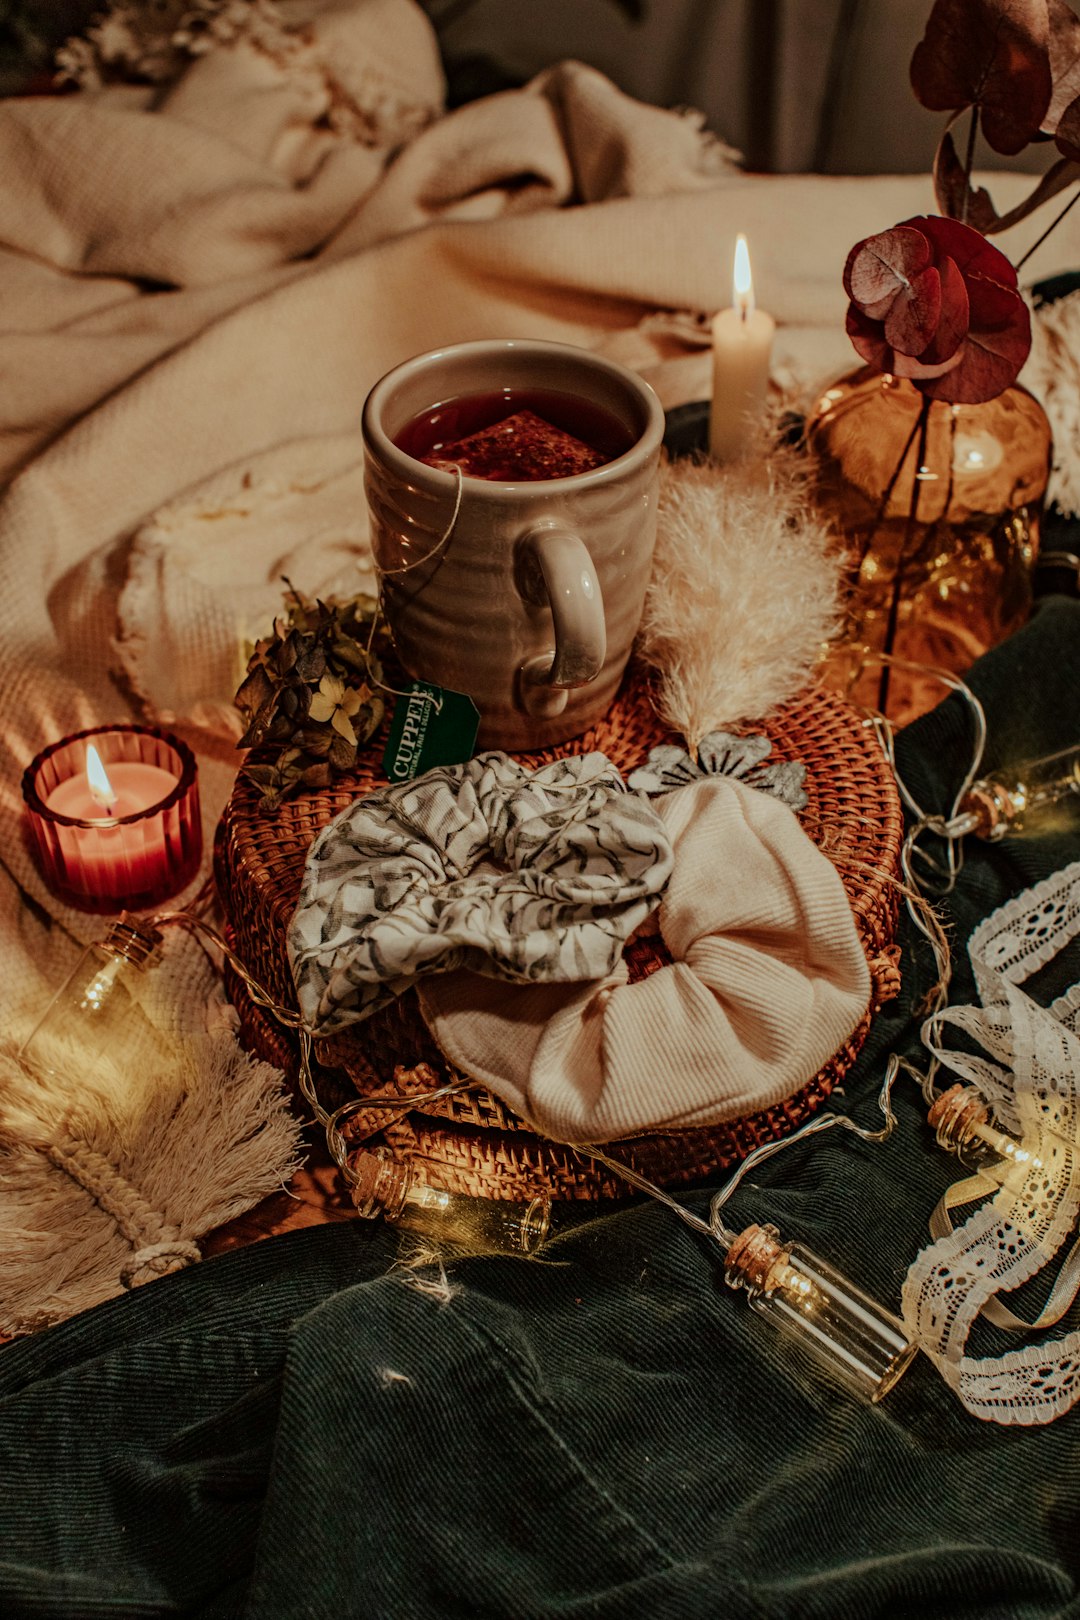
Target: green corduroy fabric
{"points": [[298, 1430]]}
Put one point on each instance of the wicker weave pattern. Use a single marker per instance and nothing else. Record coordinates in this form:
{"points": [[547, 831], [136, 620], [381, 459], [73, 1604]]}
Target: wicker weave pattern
{"points": [[475, 1144]]}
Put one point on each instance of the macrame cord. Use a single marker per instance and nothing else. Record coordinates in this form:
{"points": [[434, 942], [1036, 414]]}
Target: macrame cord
{"points": [[158, 1246]]}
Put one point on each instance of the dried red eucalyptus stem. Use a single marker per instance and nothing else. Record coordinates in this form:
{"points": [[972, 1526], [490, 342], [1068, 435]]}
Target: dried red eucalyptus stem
{"points": [[969, 163], [886, 497], [1053, 225], [921, 428]]}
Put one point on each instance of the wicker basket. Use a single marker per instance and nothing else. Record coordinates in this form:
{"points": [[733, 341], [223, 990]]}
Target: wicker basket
{"points": [[472, 1143]]}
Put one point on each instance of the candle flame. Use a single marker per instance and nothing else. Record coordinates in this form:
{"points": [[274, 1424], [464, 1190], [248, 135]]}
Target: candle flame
{"points": [[743, 281], [100, 787]]}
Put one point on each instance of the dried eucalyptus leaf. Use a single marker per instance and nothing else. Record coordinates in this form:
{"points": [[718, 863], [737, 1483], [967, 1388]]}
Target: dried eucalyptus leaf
{"points": [[956, 196], [990, 54], [1064, 48], [1058, 177], [1067, 134]]}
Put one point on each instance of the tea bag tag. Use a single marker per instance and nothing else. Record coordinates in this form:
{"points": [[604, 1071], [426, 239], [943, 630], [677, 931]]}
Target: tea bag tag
{"points": [[431, 726]]}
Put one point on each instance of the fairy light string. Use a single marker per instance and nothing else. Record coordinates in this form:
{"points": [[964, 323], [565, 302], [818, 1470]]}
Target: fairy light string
{"points": [[919, 868], [865, 1345], [194, 922]]}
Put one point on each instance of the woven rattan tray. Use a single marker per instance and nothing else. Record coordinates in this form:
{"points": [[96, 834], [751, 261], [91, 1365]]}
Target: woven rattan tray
{"points": [[470, 1142]]}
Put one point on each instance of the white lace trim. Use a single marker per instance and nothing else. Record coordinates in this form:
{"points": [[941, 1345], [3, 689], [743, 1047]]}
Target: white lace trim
{"points": [[1029, 1073], [1066, 1009], [1026, 932]]}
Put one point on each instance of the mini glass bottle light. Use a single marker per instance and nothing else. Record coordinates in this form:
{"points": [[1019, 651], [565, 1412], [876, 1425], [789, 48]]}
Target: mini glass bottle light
{"points": [[849, 1334], [95, 1014], [964, 1125], [383, 1185], [1036, 795]]}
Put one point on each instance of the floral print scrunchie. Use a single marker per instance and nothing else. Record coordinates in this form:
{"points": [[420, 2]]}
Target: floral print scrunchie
{"points": [[530, 876]]}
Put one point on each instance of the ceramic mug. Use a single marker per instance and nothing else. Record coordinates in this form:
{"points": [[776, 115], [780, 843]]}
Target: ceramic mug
{"points": [[531, 603]]}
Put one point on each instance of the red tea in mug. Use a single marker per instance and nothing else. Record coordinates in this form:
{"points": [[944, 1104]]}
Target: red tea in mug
{"points": [[515, 435]]}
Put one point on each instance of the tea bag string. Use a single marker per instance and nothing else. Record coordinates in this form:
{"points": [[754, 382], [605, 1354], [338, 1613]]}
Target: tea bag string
{"points": [[407, 568]]}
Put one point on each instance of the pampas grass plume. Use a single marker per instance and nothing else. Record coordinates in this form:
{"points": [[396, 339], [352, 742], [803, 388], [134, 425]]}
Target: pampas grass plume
{"points": [[745, 589]]}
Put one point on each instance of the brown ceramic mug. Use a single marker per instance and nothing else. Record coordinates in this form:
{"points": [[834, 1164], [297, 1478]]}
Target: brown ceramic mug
{"points": [[532, 602]]}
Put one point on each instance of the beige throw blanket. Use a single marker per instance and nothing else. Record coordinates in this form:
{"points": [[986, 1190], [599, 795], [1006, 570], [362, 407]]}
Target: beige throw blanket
{"points": [[201, 279]]}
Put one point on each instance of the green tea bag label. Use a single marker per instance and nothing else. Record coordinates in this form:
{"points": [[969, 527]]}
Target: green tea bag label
{"points": [[431, 726]]}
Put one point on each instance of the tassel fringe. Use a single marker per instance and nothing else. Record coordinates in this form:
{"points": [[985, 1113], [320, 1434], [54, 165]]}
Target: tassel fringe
{"points": [[106, 1183]]}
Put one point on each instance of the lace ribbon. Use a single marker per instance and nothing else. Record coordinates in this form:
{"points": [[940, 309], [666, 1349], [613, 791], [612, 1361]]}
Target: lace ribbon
{"points": [[1028, 1071]]}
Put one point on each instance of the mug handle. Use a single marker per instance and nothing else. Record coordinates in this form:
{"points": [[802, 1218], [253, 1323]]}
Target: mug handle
{"points": [[558, 572]]}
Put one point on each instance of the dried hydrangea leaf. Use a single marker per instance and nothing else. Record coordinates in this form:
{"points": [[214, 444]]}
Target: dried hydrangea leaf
{"points": [[301, 694]]}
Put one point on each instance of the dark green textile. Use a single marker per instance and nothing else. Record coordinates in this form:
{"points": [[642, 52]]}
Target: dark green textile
{"points": [[296, 1430]]}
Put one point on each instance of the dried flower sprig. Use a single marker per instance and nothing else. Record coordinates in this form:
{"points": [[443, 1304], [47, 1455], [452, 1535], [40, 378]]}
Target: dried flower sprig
{"points": [[933, 301], [310, 694], [1016, 65]]}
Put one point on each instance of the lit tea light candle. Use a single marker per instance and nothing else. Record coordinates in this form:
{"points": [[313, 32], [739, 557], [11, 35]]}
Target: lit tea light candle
{"points": [[128, 788], [742, 340], [114, 817]]}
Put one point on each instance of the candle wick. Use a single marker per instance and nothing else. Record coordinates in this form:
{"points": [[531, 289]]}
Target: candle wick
{"points": [[101, 789]]}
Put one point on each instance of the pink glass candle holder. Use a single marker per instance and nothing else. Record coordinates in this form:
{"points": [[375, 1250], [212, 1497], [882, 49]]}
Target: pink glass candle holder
{"points": [[126, 851]]}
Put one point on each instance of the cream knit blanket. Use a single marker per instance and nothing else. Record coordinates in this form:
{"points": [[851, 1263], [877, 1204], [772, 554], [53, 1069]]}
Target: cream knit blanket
{"points": [[200, 281]]}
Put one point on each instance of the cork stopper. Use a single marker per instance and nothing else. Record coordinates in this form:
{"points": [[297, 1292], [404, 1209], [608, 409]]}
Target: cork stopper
{"points": [[378, 1185], [751, 1258], [954, 1116], [988, 809], [135, 942]]}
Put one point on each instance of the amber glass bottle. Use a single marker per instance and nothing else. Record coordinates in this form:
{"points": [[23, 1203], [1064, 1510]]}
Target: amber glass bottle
{"points": [[938, 507]]}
